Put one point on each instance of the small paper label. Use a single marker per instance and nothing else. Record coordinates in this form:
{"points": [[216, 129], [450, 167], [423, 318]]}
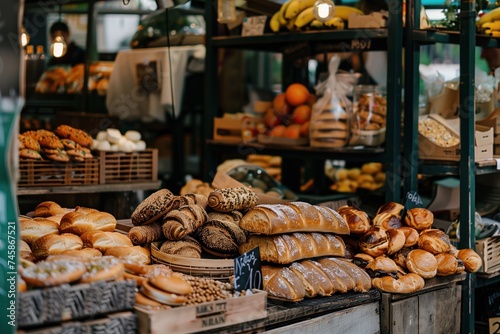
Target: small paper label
{"points": [[494, 325], [253, 26], [248, 271]]}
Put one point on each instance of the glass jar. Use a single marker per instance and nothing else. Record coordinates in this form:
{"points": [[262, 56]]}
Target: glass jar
{"points": [[368, 116]]}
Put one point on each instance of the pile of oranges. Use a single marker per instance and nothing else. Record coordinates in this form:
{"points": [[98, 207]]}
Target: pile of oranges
{"points": [[290, 113]]}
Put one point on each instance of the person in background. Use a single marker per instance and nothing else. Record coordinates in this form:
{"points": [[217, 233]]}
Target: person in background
{"points": [[492, 57], [74, 54]]}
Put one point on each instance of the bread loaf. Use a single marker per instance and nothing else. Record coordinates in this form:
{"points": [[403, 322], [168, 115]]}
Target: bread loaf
{"points": [[186, 219], [422, 262], [221, 238], [471, 260], [32, 229], [391, 207], [434, 241], [55, 244], [229, 199], [131, 254], [411, 236], [146, 234], [187, 247], [293, 217], [49, 208], [154, 207], [78, 223], [282, 283], [103, 241], [447, 264], [408, 283], [396, 240], [25, 251], [374, 242], [361, 279], [387, 220], [287, 248], [315, 276], [419, 218], [362, 260]]}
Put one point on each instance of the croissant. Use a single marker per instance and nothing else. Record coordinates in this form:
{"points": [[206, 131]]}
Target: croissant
{"points": [[188, 247], [229, 199], [199, 199], [183, 221], [145, 234]]}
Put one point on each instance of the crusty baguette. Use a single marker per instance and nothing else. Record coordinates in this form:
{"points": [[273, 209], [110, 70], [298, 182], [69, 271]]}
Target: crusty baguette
{"points": [[78, 223], [361, 278], [102, 240], [325, 285], [408, 283], [287, 248], [282, 283], [293, 217]]}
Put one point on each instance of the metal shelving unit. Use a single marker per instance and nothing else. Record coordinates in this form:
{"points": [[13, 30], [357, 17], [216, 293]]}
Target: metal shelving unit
{"points": [[311, 43], [466, 168]]}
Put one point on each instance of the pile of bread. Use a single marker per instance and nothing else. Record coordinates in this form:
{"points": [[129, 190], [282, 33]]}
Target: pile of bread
{"points": [[65, 144], [369, 176], [113, 140], [400, 252]]}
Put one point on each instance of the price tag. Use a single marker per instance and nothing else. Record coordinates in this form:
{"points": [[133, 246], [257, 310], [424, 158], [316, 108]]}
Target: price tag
{"points": [[253, 25], [248, 271], [494, 325], [413, 200], [361, 44]]}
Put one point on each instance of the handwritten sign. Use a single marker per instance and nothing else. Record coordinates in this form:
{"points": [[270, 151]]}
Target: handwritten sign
{"points": [[247, 271], [413, 200], [253, 26]]}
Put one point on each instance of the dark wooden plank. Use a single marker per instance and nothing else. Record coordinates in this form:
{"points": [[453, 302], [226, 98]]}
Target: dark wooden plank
{"points": [[439, 311], [404, 316]]}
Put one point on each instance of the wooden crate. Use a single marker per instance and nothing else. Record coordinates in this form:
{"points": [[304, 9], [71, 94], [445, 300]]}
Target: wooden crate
{"points": [[489, 250], [57, 304], [205, 316], [118, 167], [39, 173]]}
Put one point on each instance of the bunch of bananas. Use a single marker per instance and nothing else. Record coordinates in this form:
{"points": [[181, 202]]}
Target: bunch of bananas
{"points": [[489, 23], [298, 15]]}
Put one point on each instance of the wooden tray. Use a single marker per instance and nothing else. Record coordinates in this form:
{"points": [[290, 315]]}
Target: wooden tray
{"points": [[205, 267]]}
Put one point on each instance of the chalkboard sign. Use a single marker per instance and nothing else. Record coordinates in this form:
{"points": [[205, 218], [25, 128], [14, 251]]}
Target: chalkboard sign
{"points": [[247, 271]]}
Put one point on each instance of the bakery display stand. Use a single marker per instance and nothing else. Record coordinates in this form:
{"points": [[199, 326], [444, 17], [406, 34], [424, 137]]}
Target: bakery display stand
{"points": [[301, 44]]}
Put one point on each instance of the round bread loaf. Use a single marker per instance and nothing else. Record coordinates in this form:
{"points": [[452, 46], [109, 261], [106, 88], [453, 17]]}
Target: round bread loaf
{"points": [[362, 259], [49, 208], [447, 264], [434, 241], [472, 261], [391, 207], [400, 257], [153, 207], [408, 283], [105, 268], [396, 240], [55, 244], [46, 273], [188, 247], [374, 242], [134, 254], [381, 266], [422, 262], [103, 241], [387, 220], [411, 236], [419, 218], [78, 223], [358, 221]]}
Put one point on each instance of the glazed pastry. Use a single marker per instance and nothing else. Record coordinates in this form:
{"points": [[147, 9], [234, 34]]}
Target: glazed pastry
{"points": [[183, 221], [229, 199], [358, 221], [146, 234]]}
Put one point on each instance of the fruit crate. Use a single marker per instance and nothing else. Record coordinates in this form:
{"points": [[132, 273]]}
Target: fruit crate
{"points": [[489, 251], [40, 173], [118, 167]]}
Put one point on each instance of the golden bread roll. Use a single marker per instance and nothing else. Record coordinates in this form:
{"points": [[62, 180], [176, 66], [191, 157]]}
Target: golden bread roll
{"points": [[55, 244], [49, 208], [161, 296], [362, 259], [282, 283], [32, 229], [387, 220], [391, 207], [358, 221], [78, 223], [381, 266], [471, 260], [105, 268], [172, 284], [287, 248], [408, 283], [400, 257], [141, 299], [419, 218], [84, 253], [396, 240], [411, 235], [447, 264], [154, 207], [422, 262], [374, 242], [45, 273], [434, 241], [146, 234], [103, 241], [134, 254], [25, 251], [293, 217]]}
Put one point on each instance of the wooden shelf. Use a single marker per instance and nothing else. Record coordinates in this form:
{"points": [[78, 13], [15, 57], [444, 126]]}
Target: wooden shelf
{"points": [[88, 189]]}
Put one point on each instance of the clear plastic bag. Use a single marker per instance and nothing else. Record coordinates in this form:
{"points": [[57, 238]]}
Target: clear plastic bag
{"points": [[330, 117]]}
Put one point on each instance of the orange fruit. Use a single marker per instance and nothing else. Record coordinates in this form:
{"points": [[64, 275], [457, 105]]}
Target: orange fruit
{"points": [[296, 94], [277, 131], [280, 105], [301, 114], [304, 129], [311, 100], [271, 120], [292, 131]]}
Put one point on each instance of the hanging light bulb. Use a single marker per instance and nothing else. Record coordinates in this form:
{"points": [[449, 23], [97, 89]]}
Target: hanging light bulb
{"points": [[58, 47], [324, 10], [25, 37]]}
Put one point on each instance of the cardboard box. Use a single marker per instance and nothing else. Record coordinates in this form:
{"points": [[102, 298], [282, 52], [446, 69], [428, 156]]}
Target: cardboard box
{"points": [[227, 129], [204, 316], [483, 139], [375, 20]]}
